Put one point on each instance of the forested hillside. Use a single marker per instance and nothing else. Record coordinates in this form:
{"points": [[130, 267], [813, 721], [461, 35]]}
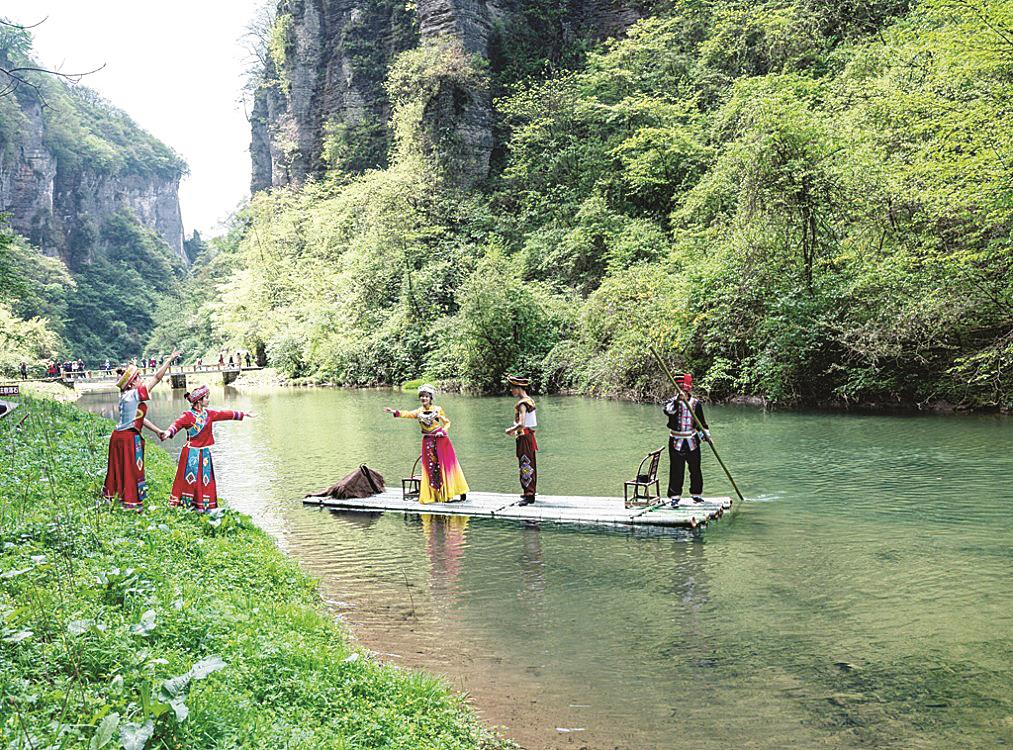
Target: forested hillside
{"points": [[798, 200], [91, 232]]}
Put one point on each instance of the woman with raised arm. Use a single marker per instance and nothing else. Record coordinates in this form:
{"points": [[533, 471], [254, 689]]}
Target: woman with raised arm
{"points": [[443, 477], [195, 486], [125, 471]]}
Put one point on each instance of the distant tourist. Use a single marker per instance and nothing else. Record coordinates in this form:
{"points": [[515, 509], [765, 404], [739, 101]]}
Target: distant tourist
{"points": [[442, 476], [231, 362], [106, 366], [221, 360], [80, 365], [523, 429], [195, 487], [247, 359], [24, 371], [200, 363], [684, 442], [125, 472]]}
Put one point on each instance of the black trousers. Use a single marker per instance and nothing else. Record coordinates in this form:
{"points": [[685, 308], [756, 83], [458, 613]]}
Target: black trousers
{"points": [[677, 460]]}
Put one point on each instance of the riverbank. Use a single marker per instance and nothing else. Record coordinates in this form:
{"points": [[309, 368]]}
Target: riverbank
{"points": [[166, 627], [271, 378]]}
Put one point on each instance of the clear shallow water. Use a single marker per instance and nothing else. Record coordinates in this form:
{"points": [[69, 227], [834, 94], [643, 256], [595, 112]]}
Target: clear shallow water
{"points": [[861, 597]]}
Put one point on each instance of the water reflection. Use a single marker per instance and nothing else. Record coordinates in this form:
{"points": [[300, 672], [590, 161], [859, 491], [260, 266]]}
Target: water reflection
{"points": [[445, 546]]}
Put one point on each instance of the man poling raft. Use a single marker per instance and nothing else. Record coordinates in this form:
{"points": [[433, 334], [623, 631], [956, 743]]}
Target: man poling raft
{"points": [[523, 429], [681, 394], [443, 477], [684, 442]]}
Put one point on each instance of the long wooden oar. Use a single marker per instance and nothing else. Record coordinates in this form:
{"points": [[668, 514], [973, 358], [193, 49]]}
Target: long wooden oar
{"points": [[684, 397]]}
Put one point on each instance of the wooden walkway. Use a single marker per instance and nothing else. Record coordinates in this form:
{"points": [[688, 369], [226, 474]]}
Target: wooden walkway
{"points": [[176, 375], [600, 511]]}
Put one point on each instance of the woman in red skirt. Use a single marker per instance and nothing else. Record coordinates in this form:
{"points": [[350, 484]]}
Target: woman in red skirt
{"points": [[195, 485], [125, 471]]}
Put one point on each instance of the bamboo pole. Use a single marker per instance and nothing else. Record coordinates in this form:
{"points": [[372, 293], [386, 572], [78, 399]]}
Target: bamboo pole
{"points": [[696, 421]]}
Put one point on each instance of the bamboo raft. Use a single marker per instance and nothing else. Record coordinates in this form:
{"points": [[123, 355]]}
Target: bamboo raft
{"points": [[569, 509]]}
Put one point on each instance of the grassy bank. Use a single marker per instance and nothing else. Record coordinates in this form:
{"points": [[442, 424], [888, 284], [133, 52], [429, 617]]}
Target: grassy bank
{"points": [[166, 629]]}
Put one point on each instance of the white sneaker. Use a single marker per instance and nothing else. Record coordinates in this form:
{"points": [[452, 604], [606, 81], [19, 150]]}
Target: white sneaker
{"points": [[674, 501]]}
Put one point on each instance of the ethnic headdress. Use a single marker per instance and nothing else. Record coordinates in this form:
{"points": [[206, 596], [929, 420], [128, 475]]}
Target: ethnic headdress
{"points": [[128, 374], [518, 382], [426, 388], [197, 394]]}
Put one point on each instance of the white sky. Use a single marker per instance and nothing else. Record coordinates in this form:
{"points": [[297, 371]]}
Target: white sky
{"points": [[176, 67]]}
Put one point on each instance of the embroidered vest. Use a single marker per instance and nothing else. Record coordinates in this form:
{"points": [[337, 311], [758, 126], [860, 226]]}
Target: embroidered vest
{"points": [[201, 419]]}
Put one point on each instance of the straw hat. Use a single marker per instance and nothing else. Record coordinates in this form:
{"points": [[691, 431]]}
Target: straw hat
{"points": [[518, 382], [128, 374]]}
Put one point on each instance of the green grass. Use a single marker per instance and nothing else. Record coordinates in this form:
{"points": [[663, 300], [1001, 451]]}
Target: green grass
{"points": [[100, 609]]}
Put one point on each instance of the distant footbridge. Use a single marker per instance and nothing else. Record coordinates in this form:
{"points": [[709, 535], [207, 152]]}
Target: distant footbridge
{"points": [[176, 375]]}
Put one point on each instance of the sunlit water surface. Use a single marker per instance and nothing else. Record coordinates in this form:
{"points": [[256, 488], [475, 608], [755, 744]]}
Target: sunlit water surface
{"points": [[861, 597]]}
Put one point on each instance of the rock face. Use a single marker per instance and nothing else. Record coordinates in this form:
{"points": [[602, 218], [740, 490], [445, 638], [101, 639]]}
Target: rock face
{"points": [[324, 103], [60, 201], [323, 86]]}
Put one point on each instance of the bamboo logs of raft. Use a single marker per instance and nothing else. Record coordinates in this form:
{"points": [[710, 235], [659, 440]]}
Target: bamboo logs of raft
{"points": [[600, 511]]}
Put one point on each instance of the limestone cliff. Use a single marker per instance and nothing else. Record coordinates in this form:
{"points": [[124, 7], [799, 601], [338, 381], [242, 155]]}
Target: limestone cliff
{"points": [[323, 101], [322, 98], [69, 161]]}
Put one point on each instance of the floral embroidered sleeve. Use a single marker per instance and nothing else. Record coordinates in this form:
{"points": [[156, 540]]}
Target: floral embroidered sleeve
{"points": [[223, 415]]}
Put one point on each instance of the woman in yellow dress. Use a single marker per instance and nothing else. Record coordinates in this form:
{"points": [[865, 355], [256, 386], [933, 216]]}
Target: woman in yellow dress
{"points": [[443, 477]]}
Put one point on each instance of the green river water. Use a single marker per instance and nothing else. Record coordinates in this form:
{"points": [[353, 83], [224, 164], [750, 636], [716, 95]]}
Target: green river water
{"points": [[861, 597]]}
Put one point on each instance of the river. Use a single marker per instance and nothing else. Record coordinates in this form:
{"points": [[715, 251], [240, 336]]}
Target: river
{"points": [[861, 597]]}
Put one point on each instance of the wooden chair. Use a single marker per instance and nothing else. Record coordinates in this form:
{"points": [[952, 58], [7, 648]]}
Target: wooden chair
{"points": [[411, 487], [647, 477]]}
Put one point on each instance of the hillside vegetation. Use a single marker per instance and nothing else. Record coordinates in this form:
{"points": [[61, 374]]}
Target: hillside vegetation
{"points": [[802, 201], [81, 274]]}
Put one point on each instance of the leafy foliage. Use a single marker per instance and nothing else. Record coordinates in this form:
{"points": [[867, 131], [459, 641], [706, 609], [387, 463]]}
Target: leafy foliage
{"points": [[112, 310], [29, 341], [32, 305]]}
